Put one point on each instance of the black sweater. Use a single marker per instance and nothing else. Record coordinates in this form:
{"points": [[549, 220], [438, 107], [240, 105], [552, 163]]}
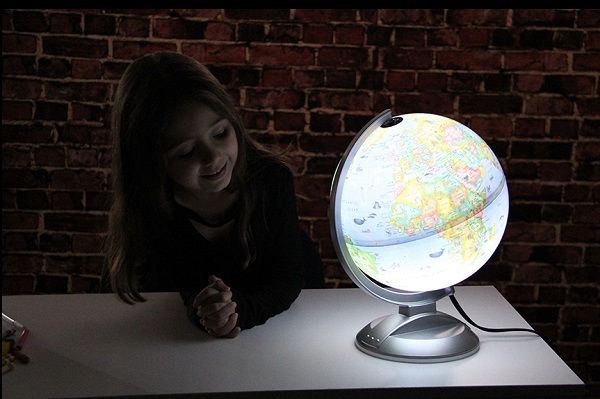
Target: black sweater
{"points": [[268, 286]]}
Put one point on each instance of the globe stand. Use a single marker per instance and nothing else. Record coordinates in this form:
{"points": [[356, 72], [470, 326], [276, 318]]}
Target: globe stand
{"points": [[418, 334]]}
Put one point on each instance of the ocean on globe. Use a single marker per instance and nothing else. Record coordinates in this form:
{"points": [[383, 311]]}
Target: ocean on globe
{"points": [[424, 203]]}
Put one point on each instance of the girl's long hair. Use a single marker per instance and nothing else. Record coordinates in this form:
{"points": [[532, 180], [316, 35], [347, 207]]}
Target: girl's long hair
{"points": [[149, 93]]}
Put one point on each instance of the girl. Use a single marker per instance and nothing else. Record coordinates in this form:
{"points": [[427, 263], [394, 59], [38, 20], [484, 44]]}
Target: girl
{"points": [[199, 206]]}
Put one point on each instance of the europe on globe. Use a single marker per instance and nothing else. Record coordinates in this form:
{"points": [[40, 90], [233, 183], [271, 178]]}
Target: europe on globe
{"points": [[423, 203]]}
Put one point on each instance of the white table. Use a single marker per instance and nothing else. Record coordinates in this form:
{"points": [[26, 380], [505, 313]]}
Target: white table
{"points": [[92, 345]]}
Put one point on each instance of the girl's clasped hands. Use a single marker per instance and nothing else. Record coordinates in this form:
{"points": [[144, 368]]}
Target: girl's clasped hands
{"points": [[216, 310]]}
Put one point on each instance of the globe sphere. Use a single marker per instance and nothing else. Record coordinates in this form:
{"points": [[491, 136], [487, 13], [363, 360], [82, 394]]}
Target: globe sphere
{"points": [[421, 203]]}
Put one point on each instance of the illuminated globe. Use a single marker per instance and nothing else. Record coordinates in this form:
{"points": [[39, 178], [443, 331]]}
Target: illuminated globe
{"points": [[419, 202]]}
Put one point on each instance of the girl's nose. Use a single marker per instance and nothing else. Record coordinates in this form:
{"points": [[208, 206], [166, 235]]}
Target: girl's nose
{"points": [[207, 155]]}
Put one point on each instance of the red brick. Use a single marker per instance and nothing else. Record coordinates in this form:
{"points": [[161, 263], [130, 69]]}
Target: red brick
{"points": [[76, 222], [349, 34], [474, 37], [520, 293], [18, 43], [50, 156], [284, 33], [588, 106], [86, 69], [406, 59], [530, 127], [528, 232], [325, 15], [443, 37], [16, 157], [99, 24], [88, 243], [526, 17], [356, 101], [65, 23], [441, 104], [213, 54], [75, 47], [16, 88], [86, 135], [548, 105], [469, 60], [30, 21], [127, 50], [429, 81], [16, 110], [547, 62], [580, 233], [479, 17], [401, 81], [492, 127], [309, 79], [134, 27], [178, 29], [593, 41], [289, 121], [82, 179], [555, 171], [256, 120], [340, 79], [581, 314], [21, 264], [318, 34], [82, 157], [529, 83], [281, 56], [277, 78], [15, 285], [586, 214], [21, 241], [67, 200], [282, 99], [587, 151], [402, 16]]}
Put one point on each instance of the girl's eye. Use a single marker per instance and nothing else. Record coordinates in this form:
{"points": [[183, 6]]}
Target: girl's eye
{"points": [[222, 134], [187, 153]]}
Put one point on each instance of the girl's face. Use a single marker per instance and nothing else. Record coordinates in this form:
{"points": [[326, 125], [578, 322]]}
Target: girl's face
{"points": [[201, 149]]}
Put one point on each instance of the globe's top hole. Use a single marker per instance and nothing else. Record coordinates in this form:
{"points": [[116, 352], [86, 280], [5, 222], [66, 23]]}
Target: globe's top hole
{"points": [[392, 121]]}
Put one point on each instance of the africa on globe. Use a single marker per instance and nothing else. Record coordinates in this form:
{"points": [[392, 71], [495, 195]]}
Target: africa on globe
{"points": [[423, 202]]}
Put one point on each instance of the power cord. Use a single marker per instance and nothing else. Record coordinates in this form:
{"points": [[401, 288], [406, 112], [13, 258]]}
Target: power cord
{"points": [[495, 330]]}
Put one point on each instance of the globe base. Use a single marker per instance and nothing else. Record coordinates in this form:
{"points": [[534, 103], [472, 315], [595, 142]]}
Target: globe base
{"points": [[427, 337]]}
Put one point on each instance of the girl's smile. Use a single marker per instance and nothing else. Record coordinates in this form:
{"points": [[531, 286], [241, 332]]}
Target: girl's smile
{"points": [[216, 176]]}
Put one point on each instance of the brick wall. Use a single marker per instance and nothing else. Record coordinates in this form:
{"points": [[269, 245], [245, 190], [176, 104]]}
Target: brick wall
{"points": [[526, 80]]}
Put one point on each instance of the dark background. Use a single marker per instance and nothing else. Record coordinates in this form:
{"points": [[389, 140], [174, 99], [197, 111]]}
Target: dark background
{"points": [[526, 80]]}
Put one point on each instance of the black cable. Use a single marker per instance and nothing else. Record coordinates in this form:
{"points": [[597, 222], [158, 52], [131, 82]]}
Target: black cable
{"points": [[495, 330]]}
